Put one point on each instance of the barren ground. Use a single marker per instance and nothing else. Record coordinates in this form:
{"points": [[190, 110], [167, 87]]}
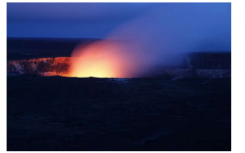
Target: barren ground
{"points": [[55, 113]]}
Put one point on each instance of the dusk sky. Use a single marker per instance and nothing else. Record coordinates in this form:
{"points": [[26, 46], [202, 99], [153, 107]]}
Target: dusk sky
{"points": [[202, 24]]}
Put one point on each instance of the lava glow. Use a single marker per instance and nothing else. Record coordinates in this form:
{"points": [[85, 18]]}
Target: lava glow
{"points": [[103, 59]]}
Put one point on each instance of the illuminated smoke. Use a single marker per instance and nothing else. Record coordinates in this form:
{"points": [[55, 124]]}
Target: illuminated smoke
{"points": [[105, 59], [155, 39]]}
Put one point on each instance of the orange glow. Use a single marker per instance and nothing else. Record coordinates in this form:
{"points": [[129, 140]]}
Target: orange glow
{"points": [[102, 59]]}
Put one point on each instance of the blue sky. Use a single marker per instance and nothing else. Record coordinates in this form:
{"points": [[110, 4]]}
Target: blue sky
{"points": [[205, 25]]}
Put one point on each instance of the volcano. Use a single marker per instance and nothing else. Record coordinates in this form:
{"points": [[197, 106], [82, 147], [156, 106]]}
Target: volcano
{"points": [[52, 107]]}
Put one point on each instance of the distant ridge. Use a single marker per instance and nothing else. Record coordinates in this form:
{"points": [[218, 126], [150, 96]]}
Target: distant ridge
{"points": [[26, 47], [48, 39]]}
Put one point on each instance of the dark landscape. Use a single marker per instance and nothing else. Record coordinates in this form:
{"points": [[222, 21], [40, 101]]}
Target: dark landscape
{"points": [[55, 113], [161, 113]]}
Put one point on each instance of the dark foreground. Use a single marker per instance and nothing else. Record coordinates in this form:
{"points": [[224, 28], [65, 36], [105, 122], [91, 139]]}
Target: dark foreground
{"points": [[55, 113]]}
